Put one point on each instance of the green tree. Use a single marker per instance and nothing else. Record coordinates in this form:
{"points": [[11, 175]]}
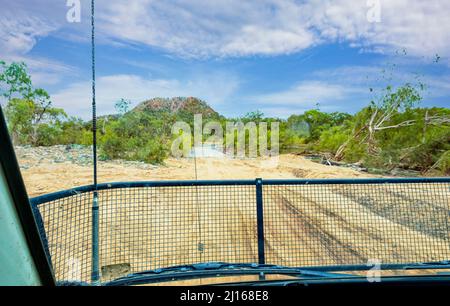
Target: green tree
{"points": [[137, 136], [15, 81], [29, 112], [27, 118]]}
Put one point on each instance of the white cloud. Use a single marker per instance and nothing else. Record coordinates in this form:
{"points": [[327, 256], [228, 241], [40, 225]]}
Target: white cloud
{"points": [[19, 35], [43, 71], [330, 89], [22, 24], [199, 28], [271, 27], [254, 40], [378, 77], [307, 94], [76, 99], [418, 26]]}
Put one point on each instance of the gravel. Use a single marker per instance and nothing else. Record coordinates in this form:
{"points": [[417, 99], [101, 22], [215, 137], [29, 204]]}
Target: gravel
{"points": [[74, 154]]}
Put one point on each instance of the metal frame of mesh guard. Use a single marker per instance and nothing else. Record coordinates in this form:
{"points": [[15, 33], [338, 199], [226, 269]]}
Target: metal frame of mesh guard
{"points": [[302, 223]]}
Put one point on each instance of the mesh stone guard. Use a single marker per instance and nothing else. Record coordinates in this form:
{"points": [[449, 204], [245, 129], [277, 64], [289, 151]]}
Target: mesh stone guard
{"points": [[301, 223]]}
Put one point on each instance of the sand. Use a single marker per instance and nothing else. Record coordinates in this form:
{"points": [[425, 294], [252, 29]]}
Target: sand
{"points": [[46, 177]]}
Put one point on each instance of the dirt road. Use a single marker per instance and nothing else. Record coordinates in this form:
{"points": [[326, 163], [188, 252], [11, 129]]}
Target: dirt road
{"points": [[43, 175]]}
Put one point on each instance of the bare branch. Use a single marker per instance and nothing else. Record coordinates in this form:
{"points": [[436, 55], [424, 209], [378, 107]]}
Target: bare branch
{"points": [[402, 124]]}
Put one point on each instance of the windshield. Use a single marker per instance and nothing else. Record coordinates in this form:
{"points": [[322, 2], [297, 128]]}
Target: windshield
{"points": [[305, 135]]}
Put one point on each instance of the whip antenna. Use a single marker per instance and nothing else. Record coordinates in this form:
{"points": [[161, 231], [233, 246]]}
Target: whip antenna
{"points": [[94, 107], [95, 274]]}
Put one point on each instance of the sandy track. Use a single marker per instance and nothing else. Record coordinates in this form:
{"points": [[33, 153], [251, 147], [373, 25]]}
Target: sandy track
{"points": [[44, 176]]}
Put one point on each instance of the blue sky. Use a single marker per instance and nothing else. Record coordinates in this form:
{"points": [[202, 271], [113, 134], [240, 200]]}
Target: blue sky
{"points": [[281, 57]]}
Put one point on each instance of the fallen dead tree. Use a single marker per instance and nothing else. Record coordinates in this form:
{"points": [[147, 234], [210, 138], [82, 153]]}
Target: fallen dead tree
{"points": [[378, 123]]}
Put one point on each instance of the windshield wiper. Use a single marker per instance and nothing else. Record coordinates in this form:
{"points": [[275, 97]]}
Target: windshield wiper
{"points": [[439, 265], [218, 269]]}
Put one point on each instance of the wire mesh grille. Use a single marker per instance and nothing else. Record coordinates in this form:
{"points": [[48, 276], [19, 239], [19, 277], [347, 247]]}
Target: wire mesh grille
{"points": [[68, 230], [149, 228], [317, 225], [143, 228]]}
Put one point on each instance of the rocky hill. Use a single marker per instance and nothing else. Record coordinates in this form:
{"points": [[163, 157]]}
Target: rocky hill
{"points": [[177, 105]]}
